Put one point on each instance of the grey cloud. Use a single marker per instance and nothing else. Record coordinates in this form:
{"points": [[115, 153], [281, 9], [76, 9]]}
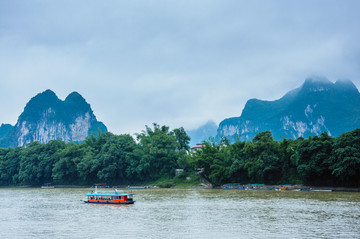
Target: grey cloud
{"points": [[179, 63]]}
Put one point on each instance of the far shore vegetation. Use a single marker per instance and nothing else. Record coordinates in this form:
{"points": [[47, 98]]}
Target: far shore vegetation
{"points": [[153, 157]]}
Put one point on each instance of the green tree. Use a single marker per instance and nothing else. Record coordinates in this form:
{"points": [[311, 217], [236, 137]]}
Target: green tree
{"points": [[238, 172], [215, 161], [51, 155], [65, 169], [116, 158], [30, 172], [313, 160], [346, 158], [9, 165], [287, 154], [88, 167], [160, 149], [182, 138], [263, 162]]}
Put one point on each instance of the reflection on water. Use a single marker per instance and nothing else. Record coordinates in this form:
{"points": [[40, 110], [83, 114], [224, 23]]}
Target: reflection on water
{"points": [[180, 213]]}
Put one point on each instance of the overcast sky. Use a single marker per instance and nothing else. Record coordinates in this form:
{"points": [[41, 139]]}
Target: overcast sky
{"points": [[178, 63]]}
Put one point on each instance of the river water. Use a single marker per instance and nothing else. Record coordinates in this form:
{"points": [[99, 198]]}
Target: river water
{"points": [[180, 213]]}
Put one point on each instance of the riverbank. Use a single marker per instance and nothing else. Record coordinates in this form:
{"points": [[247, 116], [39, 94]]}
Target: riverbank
{"points": [[205, 186], [288, 187], [337, 189]]}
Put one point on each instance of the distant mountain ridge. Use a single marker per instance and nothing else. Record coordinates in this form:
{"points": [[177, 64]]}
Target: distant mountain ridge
{"points": [[202, 133], [46, 117], [317, 106], [4, 129]]}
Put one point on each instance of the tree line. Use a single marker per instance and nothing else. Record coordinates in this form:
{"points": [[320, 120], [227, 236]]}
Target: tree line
{"points": [[156, 152], [318, 160], [108, 158]]}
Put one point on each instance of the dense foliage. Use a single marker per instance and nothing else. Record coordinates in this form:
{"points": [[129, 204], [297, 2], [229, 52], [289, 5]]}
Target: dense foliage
{"points": [[108, 158], [157, 152], [318, 160]]}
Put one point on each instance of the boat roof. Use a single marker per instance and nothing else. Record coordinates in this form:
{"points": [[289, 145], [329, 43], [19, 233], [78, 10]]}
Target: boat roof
{"points": [[110, 194]]}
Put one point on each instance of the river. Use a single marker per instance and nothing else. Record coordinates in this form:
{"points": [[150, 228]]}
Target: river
{"points": [[180, 213]]}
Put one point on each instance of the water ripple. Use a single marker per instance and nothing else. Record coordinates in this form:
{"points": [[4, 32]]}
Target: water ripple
{"points": [[180, 213]]}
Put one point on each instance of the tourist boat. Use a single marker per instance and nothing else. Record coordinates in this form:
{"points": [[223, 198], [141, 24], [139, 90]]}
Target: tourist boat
{"points": [[101, 185], [232, 186], [47, 185], [110, 198], [137, 187], [250, 187]]}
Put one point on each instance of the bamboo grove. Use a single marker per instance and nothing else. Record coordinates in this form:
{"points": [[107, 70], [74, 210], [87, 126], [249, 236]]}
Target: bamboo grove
{"points": [[156, 153]]}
